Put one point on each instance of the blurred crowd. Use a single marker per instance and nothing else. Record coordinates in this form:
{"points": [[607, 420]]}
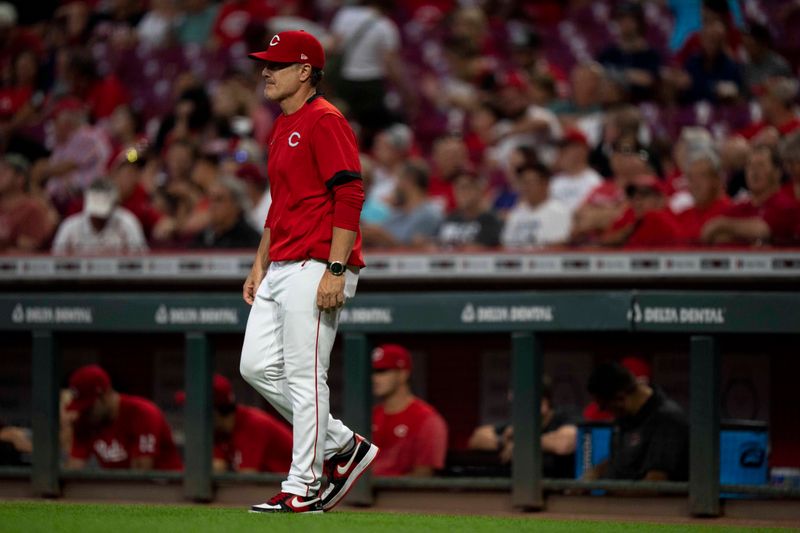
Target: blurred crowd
{"points": [[136, 125]]}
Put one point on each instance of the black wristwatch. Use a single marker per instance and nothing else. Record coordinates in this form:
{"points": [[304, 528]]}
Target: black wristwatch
{"points": [[336, 268]]}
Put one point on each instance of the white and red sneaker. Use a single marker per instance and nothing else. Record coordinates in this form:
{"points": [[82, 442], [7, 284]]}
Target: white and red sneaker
{"points": [[344, 469], [284, 502]]}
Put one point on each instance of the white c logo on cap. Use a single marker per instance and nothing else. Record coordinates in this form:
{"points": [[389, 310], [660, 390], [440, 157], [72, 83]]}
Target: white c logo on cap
{"points": [[275, 40], [295, 143]]}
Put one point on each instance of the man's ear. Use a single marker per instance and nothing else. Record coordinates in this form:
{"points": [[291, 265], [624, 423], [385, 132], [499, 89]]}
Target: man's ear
{"points": [[305, 72]]}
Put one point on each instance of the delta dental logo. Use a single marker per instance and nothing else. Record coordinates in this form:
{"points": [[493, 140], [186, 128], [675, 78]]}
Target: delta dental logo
{"points": [[196, 315], [677, 315], [51, 315], [492, 314]]}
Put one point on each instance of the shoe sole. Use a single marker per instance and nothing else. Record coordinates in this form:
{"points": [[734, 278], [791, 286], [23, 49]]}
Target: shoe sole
{"points": [[358, 471], [283, 512]]}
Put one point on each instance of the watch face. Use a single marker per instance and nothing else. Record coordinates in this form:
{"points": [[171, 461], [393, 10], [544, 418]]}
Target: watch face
{"points": [[336, 268]]}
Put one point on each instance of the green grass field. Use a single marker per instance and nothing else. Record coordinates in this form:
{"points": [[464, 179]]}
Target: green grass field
{"points": [[51, 517]]}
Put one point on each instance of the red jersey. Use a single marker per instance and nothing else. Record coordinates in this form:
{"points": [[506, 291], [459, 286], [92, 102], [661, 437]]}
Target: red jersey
{"points": [[693, 219], [784, 129], [607, 194], [781, 213], [140, 430], [313, 154], [656, 228], [258, 442], [416, 436], [789, 191]]}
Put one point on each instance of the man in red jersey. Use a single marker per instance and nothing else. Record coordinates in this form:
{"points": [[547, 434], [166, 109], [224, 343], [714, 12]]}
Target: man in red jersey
{"points": [[411, 434], [769, 215], [705, 184], [306, 266], [246, 439], [119, 430]]}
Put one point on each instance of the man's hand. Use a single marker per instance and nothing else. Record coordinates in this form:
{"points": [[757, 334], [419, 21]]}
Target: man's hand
{"points": [[252, 282], [330, 294]]}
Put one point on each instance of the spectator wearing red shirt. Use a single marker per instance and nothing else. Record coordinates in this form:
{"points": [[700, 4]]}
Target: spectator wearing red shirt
{"points": [[704, 183], [102, 94], [767, 216], [607, 202], [776, 101], [126, 173], [246, 439], [410, 433], [648, 222], [26, 222], [790, 154], [119, 430]]}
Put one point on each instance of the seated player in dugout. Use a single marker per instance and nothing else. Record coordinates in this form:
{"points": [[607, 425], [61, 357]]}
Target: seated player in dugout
{"points": [[650, 439], [410, 433], [118, 430], [246, 439], [559, 433]]}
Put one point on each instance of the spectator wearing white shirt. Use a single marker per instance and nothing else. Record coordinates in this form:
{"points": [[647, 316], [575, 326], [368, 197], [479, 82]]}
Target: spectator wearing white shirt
{"points": [[577, 179], [537, 219], [102, 227], [369, 44]]}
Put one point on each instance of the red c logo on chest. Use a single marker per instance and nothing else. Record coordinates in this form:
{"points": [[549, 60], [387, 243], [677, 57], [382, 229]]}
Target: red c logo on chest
{"points": [[294, 139]]}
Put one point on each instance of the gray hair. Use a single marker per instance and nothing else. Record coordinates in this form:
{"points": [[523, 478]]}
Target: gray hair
{"points": [[238, 192], [705, 153]]}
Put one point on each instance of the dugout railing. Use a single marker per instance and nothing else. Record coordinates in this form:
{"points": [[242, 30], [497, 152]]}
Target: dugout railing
{"points": [[700, 317]]}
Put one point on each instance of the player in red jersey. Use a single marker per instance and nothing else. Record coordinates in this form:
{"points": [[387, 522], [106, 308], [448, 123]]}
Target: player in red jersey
{"points": [[119, 430], [306, 266], [246, 439], [411, 434]]}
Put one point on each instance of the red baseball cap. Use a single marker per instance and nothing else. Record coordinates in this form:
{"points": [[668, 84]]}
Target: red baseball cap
{"points": [[391, 357], [295, 46], [637, 366], [576, 136], [221, 392], [68, 103], [87, 384]]}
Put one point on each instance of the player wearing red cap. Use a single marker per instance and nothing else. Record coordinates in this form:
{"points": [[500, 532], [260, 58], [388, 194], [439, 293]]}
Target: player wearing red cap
{"points": [[411, 434], [246, 439], [306, 266], [119, 430]]}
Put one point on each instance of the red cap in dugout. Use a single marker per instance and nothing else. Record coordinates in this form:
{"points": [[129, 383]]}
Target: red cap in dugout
{"points": [[221, 392], [391, 357], [87, 384], [294, 46]]}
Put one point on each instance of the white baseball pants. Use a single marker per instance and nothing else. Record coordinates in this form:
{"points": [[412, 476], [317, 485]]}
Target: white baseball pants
{"points": [[285, 357]]}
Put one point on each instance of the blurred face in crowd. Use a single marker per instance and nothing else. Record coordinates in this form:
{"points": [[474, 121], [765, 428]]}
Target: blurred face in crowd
{"points": [[533, 187], [468, 191], [585, 81], [223, 209], [179, 161], [25, 68], [481, 121], [573, 157], [513, 101], [761, 174], [204, 172], [627, 26], [712, 33], [705, 184], [11, 181], [449, 155], [100, 413], [65, 123], [122, 123], [283, 79], [628, 160], [125, 176], [385, 152], [386, 382]]}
